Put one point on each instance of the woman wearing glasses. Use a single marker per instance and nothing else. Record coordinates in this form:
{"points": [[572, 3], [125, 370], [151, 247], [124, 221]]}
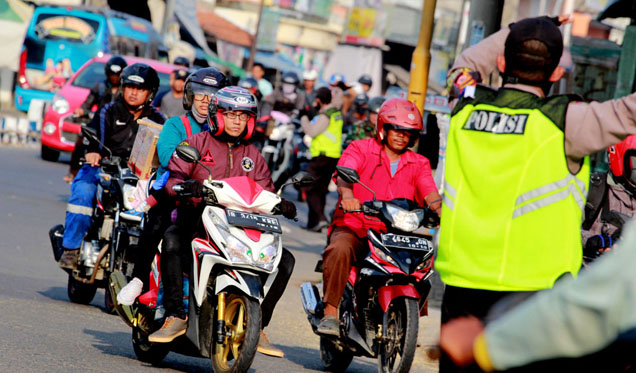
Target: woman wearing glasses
{"points": [[199, 89]]}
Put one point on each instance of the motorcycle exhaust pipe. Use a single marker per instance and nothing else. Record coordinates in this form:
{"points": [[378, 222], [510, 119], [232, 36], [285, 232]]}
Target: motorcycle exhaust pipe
{"points": [[310, 297], [56, 235], [96, 268]]}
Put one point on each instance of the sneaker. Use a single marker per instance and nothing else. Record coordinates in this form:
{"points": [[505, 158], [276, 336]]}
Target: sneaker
{"points": [[171, 329], [329, 325], [69, 259], [133, 215], [130, 292], [265, 347]]}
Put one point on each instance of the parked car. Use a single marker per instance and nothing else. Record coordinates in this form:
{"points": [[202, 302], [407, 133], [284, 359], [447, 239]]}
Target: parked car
{"points": [[60, 128], [59, 40]]}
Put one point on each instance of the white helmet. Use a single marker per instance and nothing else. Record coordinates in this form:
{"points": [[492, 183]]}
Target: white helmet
{"points": [[310, 75]]}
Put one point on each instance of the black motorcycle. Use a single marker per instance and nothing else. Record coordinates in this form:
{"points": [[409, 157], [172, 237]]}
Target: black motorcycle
{"points": [[112, 237]]}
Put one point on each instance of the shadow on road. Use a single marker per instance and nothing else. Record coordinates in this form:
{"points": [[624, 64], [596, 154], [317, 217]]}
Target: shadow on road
{"points": [[120, 344], [55, 293], [309, 358]]}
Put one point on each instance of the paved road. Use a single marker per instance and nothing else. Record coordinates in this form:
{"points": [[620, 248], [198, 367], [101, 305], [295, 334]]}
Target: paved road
{"points": [[43, 331]]}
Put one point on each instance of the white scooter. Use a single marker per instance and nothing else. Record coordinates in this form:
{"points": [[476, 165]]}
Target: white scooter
{"points": [[234, 264]]}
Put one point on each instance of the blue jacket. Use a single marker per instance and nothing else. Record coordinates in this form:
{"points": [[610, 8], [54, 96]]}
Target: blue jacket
{"points": [[172, 134]]}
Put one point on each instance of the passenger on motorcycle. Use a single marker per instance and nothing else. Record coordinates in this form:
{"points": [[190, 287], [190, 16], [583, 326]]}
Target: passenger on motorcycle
{"points": [[365, 129], [99, 95], [611, 200], [199, 89], [356, 120], [224, 150], [116, 126], [287, 98], [387, 166]]}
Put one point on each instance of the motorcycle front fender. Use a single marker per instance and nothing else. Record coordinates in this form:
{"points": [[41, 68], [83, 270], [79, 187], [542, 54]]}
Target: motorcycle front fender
{"points": [[246, 283], [386, 294]]}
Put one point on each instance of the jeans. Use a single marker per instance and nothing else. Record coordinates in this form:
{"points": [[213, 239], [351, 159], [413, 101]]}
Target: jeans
{"points": [[80, 206]]}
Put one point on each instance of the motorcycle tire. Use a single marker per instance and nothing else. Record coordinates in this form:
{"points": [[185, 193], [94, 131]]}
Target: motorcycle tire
{"points": [[403, 318], [151, 353], [333, 359], [49, 154], [109, 305], [237, 352], [79, 292]]}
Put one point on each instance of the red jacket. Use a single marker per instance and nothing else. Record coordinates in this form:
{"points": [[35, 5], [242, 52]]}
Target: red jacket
{"points": [[223, 160], [412, 180]]}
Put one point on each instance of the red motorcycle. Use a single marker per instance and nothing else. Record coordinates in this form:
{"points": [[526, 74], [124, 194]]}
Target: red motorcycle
{"points": [[386, 292]]}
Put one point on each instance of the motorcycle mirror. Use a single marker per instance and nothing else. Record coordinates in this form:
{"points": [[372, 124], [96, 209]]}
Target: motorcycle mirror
{"points": [[192, 155], [91, 135], [303, 178], [188, 153], [347, 174]]}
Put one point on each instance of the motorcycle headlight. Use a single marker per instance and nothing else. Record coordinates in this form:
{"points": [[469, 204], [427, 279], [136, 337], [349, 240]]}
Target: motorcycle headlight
{"points": [[265, 258], [129, 196], [384, 256], [406, 221], [243, 254], [59, 104]]}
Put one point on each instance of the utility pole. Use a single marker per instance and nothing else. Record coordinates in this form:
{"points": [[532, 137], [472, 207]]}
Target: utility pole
{"points": [[421, 60], [250, 61], [168, 13], [485, 19]]}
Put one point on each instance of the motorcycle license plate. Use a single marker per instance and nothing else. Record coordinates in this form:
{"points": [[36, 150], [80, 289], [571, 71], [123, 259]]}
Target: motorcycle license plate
{"points": [[254, 221], [405, 242]]}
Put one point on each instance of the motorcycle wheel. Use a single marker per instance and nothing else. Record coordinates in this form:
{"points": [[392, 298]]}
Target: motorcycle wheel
{"points": [[152, 353], [396, 353], [333, 359], [79, 292], [49, 154], [109, 306], [243, 326]]}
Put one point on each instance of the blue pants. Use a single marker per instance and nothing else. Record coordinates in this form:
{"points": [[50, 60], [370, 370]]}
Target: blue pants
{"points": [[80, 206]]}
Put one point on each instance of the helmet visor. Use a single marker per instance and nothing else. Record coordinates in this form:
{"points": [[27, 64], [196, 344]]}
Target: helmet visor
{"points": [[203, 90]]}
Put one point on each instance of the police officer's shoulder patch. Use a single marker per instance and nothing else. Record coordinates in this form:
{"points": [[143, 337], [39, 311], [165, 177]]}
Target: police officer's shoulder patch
{"points": [[247, 164]]}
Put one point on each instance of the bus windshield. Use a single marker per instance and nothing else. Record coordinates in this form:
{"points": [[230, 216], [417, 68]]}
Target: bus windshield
{"points": [[65, 27]]}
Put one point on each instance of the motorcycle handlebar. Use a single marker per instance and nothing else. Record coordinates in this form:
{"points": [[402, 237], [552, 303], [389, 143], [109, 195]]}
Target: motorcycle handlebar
{"points": [[178, 188]]}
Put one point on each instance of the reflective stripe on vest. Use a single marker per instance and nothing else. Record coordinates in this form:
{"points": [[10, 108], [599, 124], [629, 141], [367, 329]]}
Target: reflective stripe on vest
{"points": [[329, 142], [511, 211], [544, 195]]}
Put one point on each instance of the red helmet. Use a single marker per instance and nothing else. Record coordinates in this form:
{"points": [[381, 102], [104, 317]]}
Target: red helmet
{"points": [[622, 160], [400, 114]]}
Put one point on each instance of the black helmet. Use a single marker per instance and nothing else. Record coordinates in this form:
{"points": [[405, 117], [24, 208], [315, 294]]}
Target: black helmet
{"points": [[361, 99], [207, 81], [375, 103], [115, 65], [232, 99], [182, 61], [291, 77], [248, 83], [142, 76], [366, 79]]}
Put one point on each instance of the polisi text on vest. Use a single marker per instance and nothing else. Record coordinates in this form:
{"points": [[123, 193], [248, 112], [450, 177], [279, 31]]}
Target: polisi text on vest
{"points": [[497, 123]]}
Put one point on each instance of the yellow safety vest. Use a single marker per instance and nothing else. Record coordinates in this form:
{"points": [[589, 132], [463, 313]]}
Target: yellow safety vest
{"points": [[512, 211], [329, 143]]}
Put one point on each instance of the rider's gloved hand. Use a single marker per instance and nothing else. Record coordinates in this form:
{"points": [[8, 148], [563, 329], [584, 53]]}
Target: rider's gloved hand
{"points": [[596, 245], [286, 208], [193, 187]]}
